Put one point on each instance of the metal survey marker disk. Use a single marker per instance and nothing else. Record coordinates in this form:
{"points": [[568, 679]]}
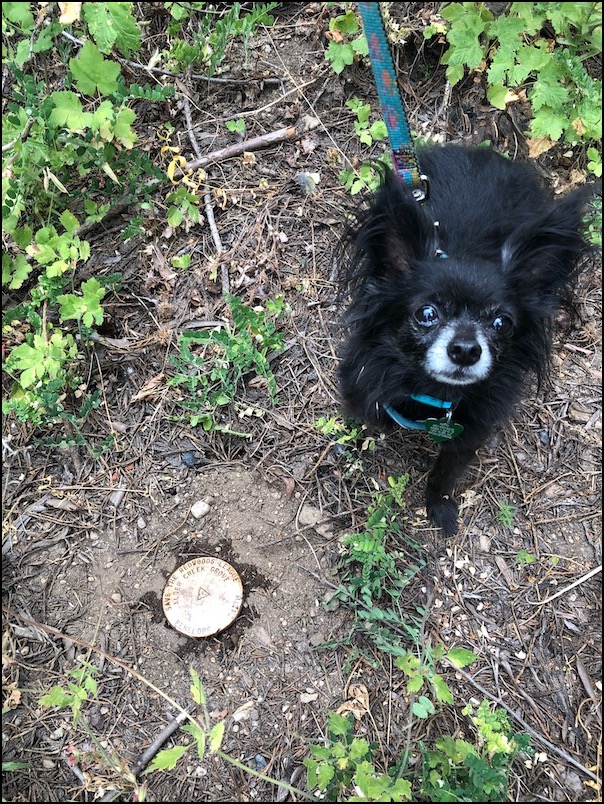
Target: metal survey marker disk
{"points": [[203, 596]]}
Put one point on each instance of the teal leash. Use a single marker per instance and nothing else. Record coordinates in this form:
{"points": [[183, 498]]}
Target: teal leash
{"points": [[407, 168], [405, 161]]}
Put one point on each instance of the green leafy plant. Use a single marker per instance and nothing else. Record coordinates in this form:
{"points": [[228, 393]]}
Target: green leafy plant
{"points": [[65, 152], [457, 770], [366, 132], [206, 738], [524, 558], [210, 365], [536, 48], [345, 761], [421, 673], [344, 767], [181, 261], [594, 222], [594, 164], [213, 32], [365, 176], [350, 439], [346, 41], [80, 687], [184, 207], [236, 126], [374, 573], [506, 513]]}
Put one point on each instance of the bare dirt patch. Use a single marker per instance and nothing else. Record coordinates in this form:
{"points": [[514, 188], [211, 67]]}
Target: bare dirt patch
{"points": [[89, 544]]}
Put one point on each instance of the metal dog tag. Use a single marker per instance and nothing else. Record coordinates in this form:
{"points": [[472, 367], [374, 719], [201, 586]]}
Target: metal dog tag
{"points": [[443, 430]]}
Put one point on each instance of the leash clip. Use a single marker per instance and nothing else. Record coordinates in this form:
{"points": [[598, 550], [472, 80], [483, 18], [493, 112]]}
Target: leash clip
{"points": [[422, 192]]}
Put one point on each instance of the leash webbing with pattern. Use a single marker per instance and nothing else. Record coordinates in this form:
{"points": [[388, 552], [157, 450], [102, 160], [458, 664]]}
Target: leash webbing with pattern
{"points": [[407, 168], [403, 151]]}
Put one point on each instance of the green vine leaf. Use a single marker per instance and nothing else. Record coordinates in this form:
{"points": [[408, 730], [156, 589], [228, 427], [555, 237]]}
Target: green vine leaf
{"points": [[113, 24], [167, 759], [86, 307], [123, 128], [94, 73], [15, 272], [68, 112], [460, 657]]}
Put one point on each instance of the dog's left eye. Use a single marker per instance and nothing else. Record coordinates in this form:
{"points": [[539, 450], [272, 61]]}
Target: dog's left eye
{"points": [[502, 325], [427, 315]]}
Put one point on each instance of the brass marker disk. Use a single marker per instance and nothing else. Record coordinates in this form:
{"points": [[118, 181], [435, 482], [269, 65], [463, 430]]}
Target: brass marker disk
{"points": [[203, 596]]}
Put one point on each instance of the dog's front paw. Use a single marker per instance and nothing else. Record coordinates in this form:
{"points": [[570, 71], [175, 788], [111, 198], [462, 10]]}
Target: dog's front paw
{"points": [[442, 512]]}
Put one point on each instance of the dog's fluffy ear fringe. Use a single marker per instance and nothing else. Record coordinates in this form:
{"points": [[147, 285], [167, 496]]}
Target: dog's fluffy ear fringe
{"points": [[543, 255], [387, 235]]}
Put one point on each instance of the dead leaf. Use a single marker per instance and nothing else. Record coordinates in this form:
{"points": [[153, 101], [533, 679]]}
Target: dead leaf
{"points": [[70, 12], [357, 703], [506, 572], [13, 699], [579, 126], [539, 146], [150, 388], [244, 711]]}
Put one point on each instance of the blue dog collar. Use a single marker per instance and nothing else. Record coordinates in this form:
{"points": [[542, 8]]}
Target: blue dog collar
{"points": [[412, 424], [439, 429]]}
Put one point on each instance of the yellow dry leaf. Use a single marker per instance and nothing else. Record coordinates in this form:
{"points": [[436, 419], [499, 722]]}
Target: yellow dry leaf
{"points": [[109, 171], [539, 146], [221, 197], [579, 126], [13, 699], [177, 162], [70, 12], [150, 388], [357, 703], [48, 174]]}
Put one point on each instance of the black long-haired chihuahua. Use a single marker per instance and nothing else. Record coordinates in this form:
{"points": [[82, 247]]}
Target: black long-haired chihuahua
{"points": [[452, 303]]}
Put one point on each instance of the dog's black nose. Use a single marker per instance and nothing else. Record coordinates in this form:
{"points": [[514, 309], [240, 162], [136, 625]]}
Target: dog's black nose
{"points": [[464, 351]]}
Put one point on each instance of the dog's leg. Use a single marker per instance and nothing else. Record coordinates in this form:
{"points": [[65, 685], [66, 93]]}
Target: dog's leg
{"points": [[452, 461]]}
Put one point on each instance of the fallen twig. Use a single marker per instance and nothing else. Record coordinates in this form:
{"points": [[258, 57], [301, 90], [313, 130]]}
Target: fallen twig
{"points": [[145, 758], [253, 144], [22, 136], [566, 589], [207, 199]]}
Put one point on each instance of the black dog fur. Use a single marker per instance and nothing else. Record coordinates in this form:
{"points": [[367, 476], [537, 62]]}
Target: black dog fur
{"points": [[468, 326]]}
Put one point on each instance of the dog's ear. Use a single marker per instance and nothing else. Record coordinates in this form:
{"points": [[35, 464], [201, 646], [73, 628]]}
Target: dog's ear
{"points": [[395, 232], [542, 255]]}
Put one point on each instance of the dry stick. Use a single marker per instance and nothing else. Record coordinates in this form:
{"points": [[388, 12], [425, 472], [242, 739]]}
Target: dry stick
{"points": [[145, 758], [207, 199], [22, 136], [253, 144], [566, 589]]}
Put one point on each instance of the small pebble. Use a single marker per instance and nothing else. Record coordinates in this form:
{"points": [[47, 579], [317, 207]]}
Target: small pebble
{"points": [[199, 509]]}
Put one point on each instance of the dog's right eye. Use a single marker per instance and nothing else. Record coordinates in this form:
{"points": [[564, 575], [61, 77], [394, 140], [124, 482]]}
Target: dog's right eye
{"points": [[427, 316]]}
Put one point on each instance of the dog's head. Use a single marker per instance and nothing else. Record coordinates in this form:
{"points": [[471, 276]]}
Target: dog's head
{"points": [[459, 303]]}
